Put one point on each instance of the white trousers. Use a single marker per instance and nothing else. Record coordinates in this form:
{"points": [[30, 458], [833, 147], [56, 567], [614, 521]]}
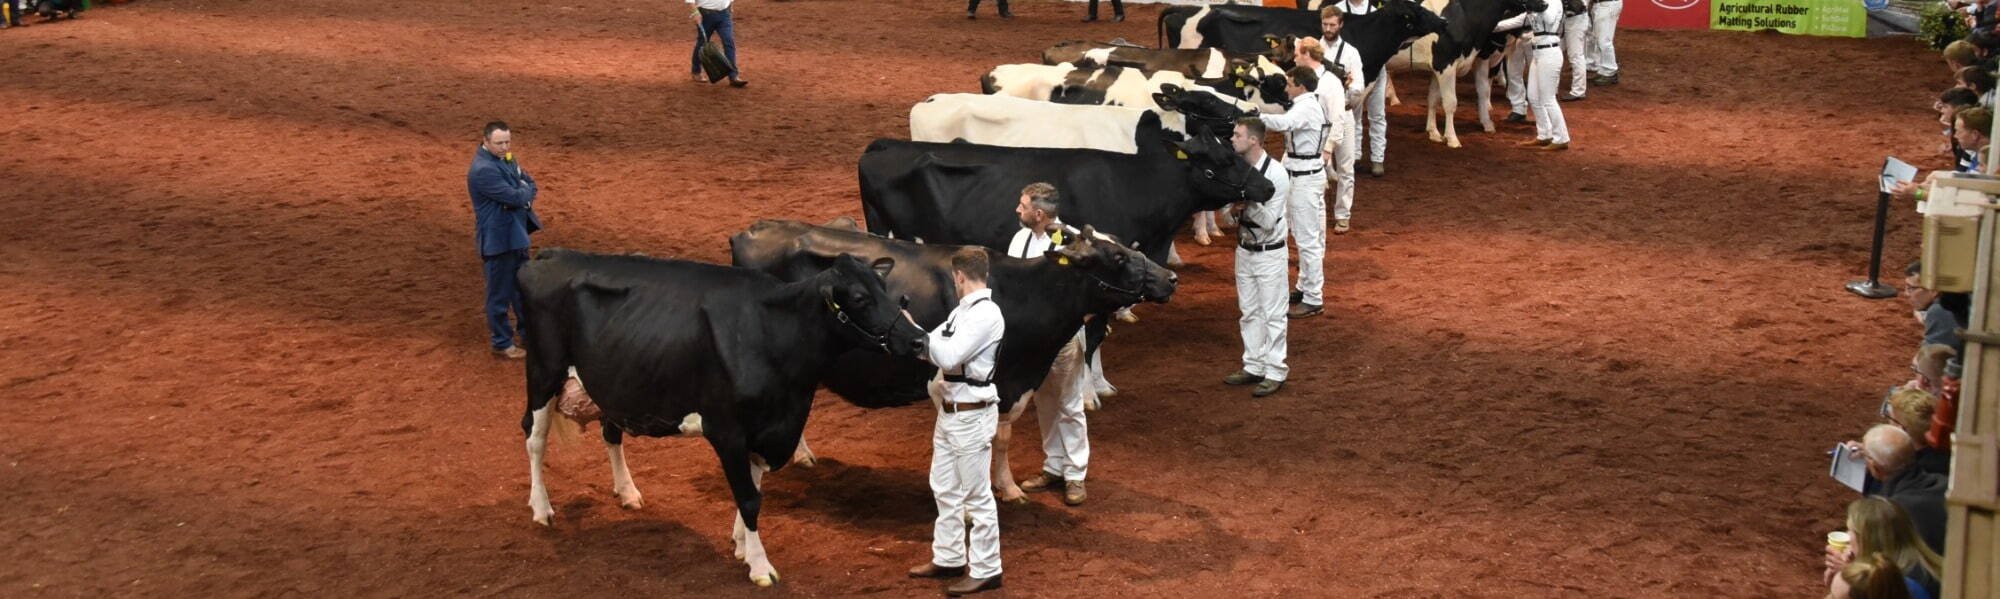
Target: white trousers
{"points": [[1517, 77], [1260, 294], [1343, 176], [1065, 434], [961, 481], [1372, 108], [1604, 25], [1576, 46], [1543, 76], [1307, 211]]}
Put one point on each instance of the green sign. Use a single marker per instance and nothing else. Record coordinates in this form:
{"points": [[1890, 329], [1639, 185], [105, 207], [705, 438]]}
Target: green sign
{"points": [[1837, 18]]}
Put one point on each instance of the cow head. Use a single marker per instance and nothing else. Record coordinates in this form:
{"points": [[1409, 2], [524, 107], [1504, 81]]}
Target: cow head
{"points": [[1206, 112], [1281, 51], [1260, 82], [857, 300], [1122, 274], [1218, 176], [1412, 20]]}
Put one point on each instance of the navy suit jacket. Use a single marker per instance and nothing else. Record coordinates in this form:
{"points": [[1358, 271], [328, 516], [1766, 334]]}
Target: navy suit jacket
{"points": [[503, 203]]}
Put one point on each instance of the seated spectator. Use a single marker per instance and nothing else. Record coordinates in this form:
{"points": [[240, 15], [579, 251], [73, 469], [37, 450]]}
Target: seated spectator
{"points": [[1940, 325], [1985, 44], [1911, 409], [1871, 577], [1880, 528], [1969, 129], [1960, 54], [1979, 80], [1948, 105], [1890, 454]]}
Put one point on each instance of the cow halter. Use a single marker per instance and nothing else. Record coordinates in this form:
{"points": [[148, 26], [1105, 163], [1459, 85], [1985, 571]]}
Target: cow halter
{"points": [[880, 341]]}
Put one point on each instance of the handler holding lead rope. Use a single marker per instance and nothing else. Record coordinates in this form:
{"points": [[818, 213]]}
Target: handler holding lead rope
{"points": [[962, 440]]}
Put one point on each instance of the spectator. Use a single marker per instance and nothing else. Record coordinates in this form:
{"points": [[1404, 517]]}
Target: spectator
{"points": [[1960, 54], [1872, 577], [1980, 81], [1117, 11], [1911, 409], [1948, 105], [1985, 43], [1969, 129], [1880, 528], [1890, 454], [1940, 325]]}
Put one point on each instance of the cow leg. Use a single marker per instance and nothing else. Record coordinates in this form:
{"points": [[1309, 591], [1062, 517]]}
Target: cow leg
{"points": [[1430, 112], [621, 478], [1447, 87], [804, 455], [1390, 84], [538, 441], [1482, 85], [1005, 488], [745, 472]]}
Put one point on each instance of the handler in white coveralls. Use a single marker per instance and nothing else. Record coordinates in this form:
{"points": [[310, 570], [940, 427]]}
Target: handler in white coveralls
{"points": [[1260, 270], [1544, 73], [1372, 109], [1304, 124], [1341, 147], [1065, 434], [962, 442], [1576, 48], [1604, 27]]}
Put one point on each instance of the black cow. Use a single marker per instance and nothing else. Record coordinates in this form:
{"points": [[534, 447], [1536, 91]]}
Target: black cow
{"points": [[670, 347], [1235, 27], [1044, 299], [1376, 35], [965, 193]]}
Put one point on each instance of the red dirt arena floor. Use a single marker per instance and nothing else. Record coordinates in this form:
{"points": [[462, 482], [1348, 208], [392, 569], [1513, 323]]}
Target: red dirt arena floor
{"points": [[242, 355]]}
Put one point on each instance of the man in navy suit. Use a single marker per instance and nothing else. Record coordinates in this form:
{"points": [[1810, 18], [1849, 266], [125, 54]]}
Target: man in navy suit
{"points": [[503, 202]]}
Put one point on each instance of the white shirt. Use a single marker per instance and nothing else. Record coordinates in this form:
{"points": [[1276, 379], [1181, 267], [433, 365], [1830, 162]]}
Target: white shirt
{"points": [[1029, 243], [966, 344], [1304, 126], [1270, 215], [1336, 112], [1338, 52], [1547, 25], [711, 4]]}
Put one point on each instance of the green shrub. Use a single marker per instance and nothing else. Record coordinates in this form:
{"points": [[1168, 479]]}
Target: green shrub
{"points": [[1939, 25]]}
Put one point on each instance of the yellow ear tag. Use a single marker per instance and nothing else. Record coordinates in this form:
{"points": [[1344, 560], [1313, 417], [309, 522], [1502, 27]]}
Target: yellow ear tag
{"points": [[1063, 260], [1181, 155], [1239, 83]]}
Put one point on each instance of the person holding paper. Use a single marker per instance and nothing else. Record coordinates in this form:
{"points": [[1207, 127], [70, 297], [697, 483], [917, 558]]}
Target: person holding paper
{"points": [[1969, 129], [1890, 455]]}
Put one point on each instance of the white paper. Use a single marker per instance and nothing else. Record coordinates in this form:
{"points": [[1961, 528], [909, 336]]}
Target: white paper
{"points": [[1848, 468], [1896, 171]]}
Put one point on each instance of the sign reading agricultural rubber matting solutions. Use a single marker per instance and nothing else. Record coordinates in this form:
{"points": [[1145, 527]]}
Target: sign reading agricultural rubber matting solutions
{"points": [[1841, 18]]}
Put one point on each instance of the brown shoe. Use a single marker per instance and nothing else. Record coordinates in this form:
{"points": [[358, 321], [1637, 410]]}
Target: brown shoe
{"points": [[1340, 227], [1042, 482], [930, 570], [1555, 147], [1266, 388], [1305, 310], [513, 352], [970, 585], [1073, 493], [1242, 377], [1533, 143]]}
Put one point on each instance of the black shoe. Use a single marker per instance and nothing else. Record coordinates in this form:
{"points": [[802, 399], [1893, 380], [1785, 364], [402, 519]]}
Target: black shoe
{"points": [[1611, 79], [1569, 98], [1515, 117], [1266, 388], [1305, 310], [1007, 15], [1090, 17], [1118, 18], [1241, 378], [969, 15], [1298, 296]]}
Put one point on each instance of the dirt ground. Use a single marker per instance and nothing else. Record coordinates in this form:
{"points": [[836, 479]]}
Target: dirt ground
{"points": [[241, 345]]}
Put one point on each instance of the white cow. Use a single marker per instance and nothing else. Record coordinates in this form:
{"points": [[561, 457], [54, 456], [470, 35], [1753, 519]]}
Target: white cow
{"points": [[1023, 123], [1107, 86]]}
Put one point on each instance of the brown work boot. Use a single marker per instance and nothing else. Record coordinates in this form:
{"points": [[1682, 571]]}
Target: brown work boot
{"points": [[1042, 482], [930, 570], [1242, 377], [970, 585], [1304, 310], [1267, 388], [1073, 493]]}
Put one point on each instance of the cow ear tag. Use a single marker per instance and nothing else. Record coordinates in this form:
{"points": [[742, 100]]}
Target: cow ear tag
{"points": [[1063, 260], [1180, 154], [1239, 83]]}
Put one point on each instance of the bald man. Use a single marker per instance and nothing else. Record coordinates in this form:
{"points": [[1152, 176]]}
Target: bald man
{"points": [[1891, 458]]}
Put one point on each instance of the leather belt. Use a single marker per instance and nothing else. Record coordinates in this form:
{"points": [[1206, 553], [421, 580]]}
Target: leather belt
{"points": [[1303, 173], [1303, 156], [952, 407], [1265, 247], [1547, 46], [960, 378], [707, 12], [1548, 33]]}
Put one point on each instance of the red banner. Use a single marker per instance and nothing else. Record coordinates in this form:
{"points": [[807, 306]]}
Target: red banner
{"points": [[1664, 14]]}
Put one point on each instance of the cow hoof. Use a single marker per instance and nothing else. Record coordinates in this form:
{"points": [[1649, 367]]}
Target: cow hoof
{"points": [[1017, 501], [766, 580], [631, 500], [806, 461], [545, 518], [1091, 403], [1126, 316], [691, 424], [1435, 137], [1452, 143], [1487, 126]]}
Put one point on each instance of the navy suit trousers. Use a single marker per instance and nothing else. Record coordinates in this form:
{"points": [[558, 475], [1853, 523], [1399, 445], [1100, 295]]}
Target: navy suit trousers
{"points": [[501, 294]]}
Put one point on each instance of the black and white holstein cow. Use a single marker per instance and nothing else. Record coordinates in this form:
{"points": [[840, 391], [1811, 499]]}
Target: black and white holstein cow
{"points": [[1185, 105], [965, 194], [1023, 123], [667, 344], [1237, 27], [1209, 64], [1468, 44], [1045, 300]]}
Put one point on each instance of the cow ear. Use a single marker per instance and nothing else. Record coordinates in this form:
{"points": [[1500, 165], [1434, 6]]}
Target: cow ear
{"points": [[1165, 102], [882, 266]]}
